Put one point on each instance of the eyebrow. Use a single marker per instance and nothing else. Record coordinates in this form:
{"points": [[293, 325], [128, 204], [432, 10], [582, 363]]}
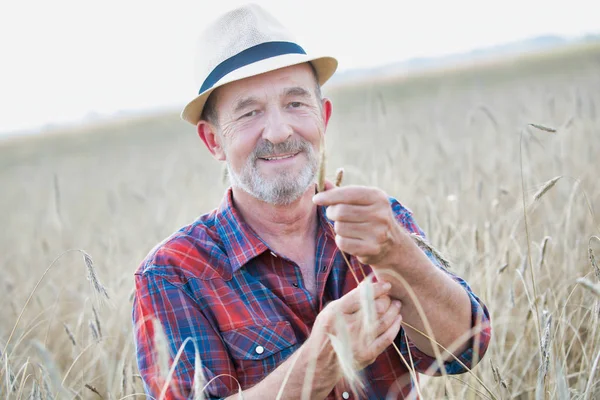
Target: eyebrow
{"points": [[250, 101], [244, 103], [297, 91]]}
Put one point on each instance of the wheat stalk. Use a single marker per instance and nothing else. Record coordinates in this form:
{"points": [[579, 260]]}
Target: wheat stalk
{"points": [[543, 251], [240, 392], [322, 167], [161, 346], [545, 359], [342, 347], [427, 246], [97, 321], [56, 190], [562, 387], [543, 128], [94, 330], [288, 373], [124, 380], [46, 382], [92, 276], [309, 375], [66, 375], [93, 389], [545, 188], [593, 288], [36, 393], [502, 268], [527, 237], [482, 394], [339, 176], [70, 334], [10, 376], [430, 336], [367, 308], [590, 382], [49, 363], [11, 380], [497, 376], [90, 267], [592, 257], [199, 380]]}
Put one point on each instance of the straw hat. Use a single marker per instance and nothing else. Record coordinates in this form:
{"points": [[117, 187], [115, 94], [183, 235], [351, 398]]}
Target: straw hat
{"points": [[244, 42]]}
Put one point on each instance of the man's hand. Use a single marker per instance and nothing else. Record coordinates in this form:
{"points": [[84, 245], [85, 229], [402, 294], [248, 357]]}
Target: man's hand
{"points": [[365, 351], [363, 221], [366, 227], [326, 369]]}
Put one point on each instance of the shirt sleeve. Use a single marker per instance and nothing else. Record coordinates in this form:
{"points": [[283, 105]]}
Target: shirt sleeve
{"points": [[158, 301], [479, 342]]}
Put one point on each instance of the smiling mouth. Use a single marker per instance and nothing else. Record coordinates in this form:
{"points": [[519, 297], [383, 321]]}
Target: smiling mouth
{"points": [[282, 157]]}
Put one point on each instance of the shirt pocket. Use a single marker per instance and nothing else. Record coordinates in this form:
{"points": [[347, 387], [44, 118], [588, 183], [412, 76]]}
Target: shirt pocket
{"points": [[256, 350]]}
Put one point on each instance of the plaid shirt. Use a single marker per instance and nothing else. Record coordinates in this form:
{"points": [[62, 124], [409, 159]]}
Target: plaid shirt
{"points": [[246, 308]]}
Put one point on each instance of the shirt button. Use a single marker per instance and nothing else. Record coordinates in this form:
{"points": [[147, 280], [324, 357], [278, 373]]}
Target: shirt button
{"points": [[260, 349], [324, 268], [295, 284], [346, 395]]}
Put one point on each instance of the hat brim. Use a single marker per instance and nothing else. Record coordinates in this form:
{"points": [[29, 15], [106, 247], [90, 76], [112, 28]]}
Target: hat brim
{"points": [[324, 66]]}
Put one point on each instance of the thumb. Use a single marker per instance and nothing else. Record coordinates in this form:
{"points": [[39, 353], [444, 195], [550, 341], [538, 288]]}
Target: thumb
{"points": [[328, 185]]}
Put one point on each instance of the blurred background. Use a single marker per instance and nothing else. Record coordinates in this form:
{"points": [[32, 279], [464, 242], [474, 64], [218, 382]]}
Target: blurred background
{"points": [[482, 118], [80, 61]]}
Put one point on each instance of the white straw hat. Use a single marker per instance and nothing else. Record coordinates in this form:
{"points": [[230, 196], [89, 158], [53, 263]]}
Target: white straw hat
{"points": [[244, 42]]}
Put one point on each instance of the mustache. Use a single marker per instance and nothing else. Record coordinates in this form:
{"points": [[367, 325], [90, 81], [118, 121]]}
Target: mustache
{"points": [[293, 145]]}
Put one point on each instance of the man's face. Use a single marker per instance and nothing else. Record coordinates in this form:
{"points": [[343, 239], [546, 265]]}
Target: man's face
{"points": [[270, 128]]}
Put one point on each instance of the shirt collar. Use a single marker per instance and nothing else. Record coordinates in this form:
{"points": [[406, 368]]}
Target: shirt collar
{"points": [[241, 242], [325, 224]]}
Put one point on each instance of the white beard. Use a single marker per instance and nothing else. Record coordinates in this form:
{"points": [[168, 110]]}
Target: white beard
{"points": [[285, 187]]}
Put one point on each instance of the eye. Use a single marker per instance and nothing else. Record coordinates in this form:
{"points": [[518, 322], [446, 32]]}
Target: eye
{"points": [[295, 104], [250, 114]]}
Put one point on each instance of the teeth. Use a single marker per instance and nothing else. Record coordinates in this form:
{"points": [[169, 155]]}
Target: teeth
{"points": [[278, 158]]}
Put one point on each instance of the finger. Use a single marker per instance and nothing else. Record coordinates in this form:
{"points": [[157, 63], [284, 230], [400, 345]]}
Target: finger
{"points": [[359, 195], [328, 185], [388, 318], [386, 338], [350, 302], [362, 230], [380, 288], [382, 304], [348, 213], [356, 247], [354, 230]]}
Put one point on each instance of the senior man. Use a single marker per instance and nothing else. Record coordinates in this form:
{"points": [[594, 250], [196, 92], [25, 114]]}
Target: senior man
{"points": [[249, 294]]}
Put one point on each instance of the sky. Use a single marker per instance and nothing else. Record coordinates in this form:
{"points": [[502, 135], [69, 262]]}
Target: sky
{"points": [[64, 61]]}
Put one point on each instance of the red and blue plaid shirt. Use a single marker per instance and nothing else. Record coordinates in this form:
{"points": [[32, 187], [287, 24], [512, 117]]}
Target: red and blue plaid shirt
{"points": [[246, 308]]}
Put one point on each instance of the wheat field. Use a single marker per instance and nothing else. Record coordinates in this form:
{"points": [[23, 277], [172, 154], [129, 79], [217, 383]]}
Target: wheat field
{"points": [[455, 146]]}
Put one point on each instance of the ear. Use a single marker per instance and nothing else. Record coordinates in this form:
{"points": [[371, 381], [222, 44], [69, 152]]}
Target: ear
{"points": [[327, 108], [209, 135]]}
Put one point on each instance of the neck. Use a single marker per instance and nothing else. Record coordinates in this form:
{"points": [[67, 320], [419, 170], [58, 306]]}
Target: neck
{"points": [[298, 219]]}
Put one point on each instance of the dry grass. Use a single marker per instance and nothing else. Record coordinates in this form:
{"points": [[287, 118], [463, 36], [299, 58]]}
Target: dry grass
{"points": [[448, 146]]}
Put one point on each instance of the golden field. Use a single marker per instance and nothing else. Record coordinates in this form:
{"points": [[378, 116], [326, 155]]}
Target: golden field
{"points": [[454, 146]]}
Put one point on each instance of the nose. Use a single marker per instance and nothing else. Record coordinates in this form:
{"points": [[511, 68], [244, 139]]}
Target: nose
{"points": [[277, 129]]}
